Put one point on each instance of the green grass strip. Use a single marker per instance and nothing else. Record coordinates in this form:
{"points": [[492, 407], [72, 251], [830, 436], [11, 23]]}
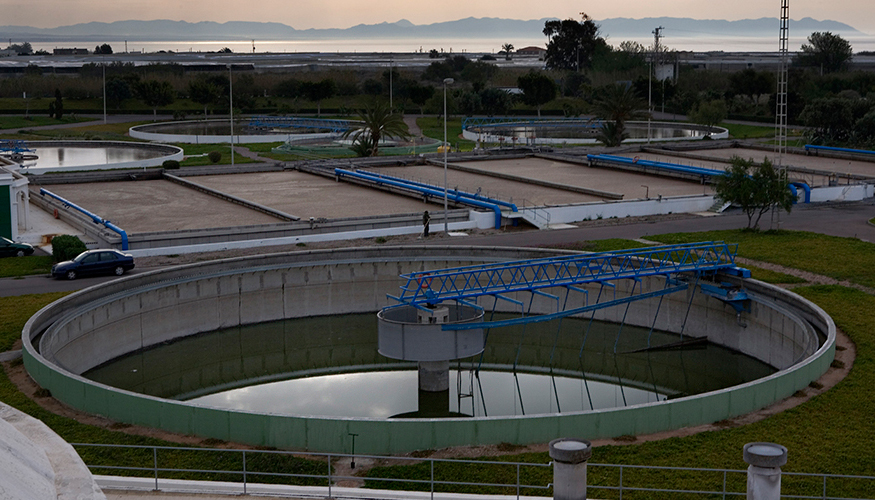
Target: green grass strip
{"points": [[847, 259], [24, 266]]}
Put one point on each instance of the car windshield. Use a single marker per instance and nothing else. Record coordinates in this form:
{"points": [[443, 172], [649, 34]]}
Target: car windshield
{"points": [[80, 257], [6, 241]]}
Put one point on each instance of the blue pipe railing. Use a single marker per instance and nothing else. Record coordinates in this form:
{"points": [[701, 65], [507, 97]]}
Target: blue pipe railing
{"points": [[94, 218], [339, 172], [463, 194], [493, 122], [672, 167], [812, 147], [701, 171], [335, 125]]}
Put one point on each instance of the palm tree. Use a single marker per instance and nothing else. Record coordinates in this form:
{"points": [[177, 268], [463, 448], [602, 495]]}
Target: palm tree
{"points": [[610, 135], [376, 123], [618, 104], [507, 48]]}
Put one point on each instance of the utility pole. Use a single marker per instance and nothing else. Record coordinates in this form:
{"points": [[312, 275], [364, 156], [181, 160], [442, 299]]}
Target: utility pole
{"points": [[657, 34]]}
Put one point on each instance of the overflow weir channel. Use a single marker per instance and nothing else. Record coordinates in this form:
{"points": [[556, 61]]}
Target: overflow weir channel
{"points": [[85, 330]]}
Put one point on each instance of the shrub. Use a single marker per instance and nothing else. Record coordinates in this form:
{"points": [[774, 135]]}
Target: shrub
{"points": [[65, 247], [170, 164], [215, 156]]}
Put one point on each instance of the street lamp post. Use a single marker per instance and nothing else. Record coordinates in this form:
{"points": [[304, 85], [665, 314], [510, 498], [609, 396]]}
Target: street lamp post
{"points": [[104, 92], [447, 81], [231, 110]]}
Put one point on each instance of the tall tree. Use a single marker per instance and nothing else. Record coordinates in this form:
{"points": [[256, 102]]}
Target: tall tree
{"points": [[204, 92], [709, 113], [572, 44], [377, 123], [155, 94], [58, 104], [318, 91], [495, 101], [117, 90], [618, 104], [831, 120], [756, 189], [827, 51], [538, 89], [420, 94], [508, 50]]}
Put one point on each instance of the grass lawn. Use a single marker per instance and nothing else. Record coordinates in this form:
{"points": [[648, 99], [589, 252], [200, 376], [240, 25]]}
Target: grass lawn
{"points": [[203, 149], [831, 433], [23, 266], [91, 130], [36, 121], [433, 127], [849, 259]]}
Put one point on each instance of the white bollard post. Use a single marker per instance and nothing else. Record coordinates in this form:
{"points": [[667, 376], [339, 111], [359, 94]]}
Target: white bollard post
{"points": [[764, 472], [569, 468]]}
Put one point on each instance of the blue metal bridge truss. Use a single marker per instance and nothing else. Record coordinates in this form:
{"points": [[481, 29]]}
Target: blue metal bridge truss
{"points": [[335, 126], [465, 284], [15, 147]]}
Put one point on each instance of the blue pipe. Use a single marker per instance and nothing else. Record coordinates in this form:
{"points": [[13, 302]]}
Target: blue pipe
{"points": [[94, 218], [805, 187], [658, 164], [462, 194], [693, 170], [809, 147], [434, 192]]}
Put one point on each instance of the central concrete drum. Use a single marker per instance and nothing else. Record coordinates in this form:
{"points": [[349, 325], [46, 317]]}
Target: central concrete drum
{"points": [[415, 334]]}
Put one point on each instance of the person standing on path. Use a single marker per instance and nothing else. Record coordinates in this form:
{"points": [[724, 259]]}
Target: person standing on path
{"points": [[426, 219]]}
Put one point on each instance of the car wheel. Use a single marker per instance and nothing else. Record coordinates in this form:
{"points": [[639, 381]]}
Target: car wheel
{"points": [[71, 275], [19, 253], [119, 270]]}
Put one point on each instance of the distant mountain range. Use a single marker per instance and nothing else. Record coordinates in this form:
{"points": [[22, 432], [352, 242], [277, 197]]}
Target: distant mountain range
{"points": [[616, 29]]}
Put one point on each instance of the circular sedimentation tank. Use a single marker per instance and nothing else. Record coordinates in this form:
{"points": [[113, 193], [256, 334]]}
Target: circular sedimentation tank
{"points": [[74, 156], [300, 135], [581, 131], [84, 331], [219, 132]]}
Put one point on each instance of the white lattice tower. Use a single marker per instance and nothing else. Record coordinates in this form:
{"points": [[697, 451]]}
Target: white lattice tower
{"points": [[781, 109]]}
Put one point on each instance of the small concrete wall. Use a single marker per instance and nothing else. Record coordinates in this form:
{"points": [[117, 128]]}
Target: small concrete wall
{"points": [[100, 323], [621, 209], [855, 192]]}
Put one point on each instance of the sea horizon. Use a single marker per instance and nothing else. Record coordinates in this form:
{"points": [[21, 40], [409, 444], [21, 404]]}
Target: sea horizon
{"points": [[492, 45]]}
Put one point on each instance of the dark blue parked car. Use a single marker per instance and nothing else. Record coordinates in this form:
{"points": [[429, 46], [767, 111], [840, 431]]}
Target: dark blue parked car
{"points": [[94, 262]]}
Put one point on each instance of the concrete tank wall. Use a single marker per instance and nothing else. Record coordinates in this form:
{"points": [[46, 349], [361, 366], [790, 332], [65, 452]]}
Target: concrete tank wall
{"points": [[97, 324]]}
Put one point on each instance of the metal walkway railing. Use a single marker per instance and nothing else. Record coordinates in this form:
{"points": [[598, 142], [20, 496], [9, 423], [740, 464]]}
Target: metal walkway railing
{"points": [[246, 468], [304, 123]]}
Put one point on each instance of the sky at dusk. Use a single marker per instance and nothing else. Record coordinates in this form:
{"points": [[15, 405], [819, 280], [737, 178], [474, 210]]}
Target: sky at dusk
{"points": [[302, 14]]}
